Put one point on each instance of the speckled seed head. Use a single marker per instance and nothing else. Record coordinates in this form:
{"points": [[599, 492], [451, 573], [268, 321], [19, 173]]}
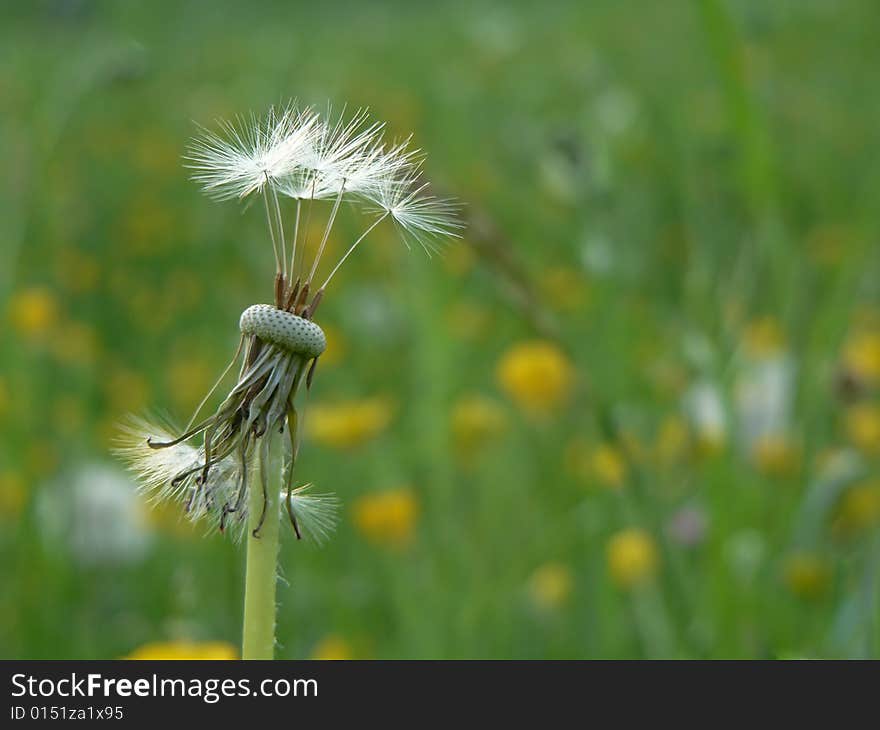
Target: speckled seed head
{"points": [[298, 335]]}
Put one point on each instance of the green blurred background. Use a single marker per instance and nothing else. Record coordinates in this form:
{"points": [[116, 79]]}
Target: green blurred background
{"points": [[635, 412]]}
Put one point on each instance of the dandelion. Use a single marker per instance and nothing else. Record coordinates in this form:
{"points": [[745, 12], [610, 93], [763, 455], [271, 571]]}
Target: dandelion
{"points": [[126, 389], [76, 343], [807, 575], [550, 586], [33, 313], [862, 423], [776, 455], [633, 558], [564, 289], [332, 648], [184, 650], [468, 320], [608, 466], [348, 424], [475, 422], [387, 518], [859, 508], [861, 357], [4, 397], [537, 375], [221, 467], [763, 338], [13, 495], [672, 442]]}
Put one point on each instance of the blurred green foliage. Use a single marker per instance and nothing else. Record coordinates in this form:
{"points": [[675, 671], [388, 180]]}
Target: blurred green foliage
{"points": [[635, 412]]}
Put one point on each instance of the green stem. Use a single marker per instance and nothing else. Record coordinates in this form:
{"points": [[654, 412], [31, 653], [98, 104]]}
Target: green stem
{"points": [[258, 640]]}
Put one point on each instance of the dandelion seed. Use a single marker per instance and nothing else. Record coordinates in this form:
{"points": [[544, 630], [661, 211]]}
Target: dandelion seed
{"points": [[341, 155], [422, 217], [313, 515], [250, 152]]}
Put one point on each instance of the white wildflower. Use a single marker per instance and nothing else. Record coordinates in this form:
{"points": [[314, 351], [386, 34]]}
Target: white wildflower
{"points": [[704, 407], [764, 397], [97, 513]]}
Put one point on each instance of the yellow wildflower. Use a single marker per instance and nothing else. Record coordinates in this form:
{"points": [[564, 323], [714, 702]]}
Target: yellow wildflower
{"points": [[828, 244], [77, 270], [863, 427], [577, 459], [859, 508], [68, 413], [807, 575], [861, 357], [459, 258], [632, 446], [155, 154], [476, 421], [537, 375], [608, 466], [672, 441], [183, 649], [633, 557], [13, 495], [348, 424], [188, 380], [468, 320], [387, 518], [763, 337], [148, 228], [41, 457], [775, 455], [149, 308], [564, 289], [335, 346], [33, 312], [75, 343], [166, 516], [669, 378], [550, 586], [332, 647], [126, 390]]}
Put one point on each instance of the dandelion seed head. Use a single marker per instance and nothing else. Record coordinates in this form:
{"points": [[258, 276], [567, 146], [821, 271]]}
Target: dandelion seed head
{"points": [[212, 467]]}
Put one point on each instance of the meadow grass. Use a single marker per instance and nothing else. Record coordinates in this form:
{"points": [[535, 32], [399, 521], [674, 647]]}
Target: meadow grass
{"points": [[665, 195]]}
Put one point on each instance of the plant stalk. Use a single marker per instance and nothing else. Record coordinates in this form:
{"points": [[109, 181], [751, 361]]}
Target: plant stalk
{"points": [[258, 635]]}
